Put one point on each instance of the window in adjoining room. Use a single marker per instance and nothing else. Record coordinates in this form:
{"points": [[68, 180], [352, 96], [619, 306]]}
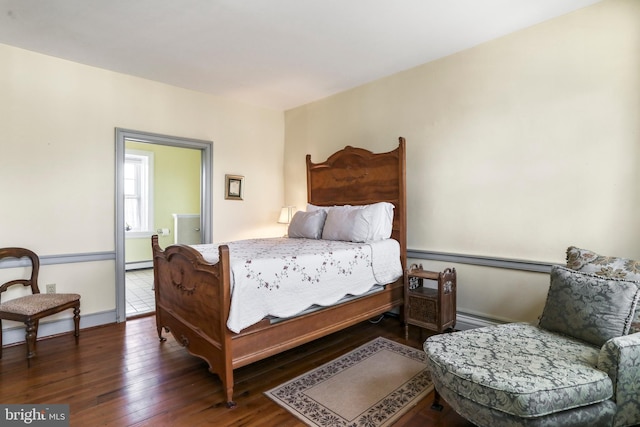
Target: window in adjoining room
{"points": [[138, 192]]}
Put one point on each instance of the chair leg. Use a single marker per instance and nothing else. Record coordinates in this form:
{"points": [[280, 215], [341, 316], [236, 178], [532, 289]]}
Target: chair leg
{"points": [[0, 338], [76, 321], [30, 338]]}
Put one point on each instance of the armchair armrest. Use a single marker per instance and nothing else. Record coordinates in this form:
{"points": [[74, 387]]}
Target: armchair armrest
{"points": [[620, 359]]}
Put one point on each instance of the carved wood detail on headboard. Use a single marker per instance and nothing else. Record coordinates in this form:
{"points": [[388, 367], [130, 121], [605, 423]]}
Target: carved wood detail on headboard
{"points": [[381, 178]]}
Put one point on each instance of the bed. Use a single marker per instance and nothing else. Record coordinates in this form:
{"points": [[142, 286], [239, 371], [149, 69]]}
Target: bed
{"points": [[193, 295]]}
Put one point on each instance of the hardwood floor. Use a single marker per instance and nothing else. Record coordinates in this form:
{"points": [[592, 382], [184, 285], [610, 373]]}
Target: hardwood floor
{"points": [[121, 375]]}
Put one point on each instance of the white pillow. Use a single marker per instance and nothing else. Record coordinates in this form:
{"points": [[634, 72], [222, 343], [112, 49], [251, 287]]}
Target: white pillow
{"points": [[365, 223], [307, 225], [381, 222], [311, 208], [351, 225]]}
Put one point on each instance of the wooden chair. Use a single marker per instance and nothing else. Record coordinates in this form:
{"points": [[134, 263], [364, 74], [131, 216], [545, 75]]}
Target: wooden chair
{"points": [[30, 309]]}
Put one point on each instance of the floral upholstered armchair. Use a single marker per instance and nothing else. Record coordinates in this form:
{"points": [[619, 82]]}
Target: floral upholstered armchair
{"points": [[579, 366]]}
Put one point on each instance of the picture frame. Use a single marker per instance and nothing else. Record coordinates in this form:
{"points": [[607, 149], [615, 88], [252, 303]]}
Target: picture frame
{"points": [[234, 187]]}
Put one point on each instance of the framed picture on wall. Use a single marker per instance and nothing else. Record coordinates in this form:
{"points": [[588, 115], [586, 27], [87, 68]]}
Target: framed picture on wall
{"points": [[234, 185]]}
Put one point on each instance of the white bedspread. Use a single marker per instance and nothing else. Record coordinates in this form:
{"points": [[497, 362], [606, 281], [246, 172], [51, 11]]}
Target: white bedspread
{"points": [[282, 277]]}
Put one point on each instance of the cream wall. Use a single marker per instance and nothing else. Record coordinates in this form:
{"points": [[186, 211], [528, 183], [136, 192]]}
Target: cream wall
{"points": [[57, 161], [516, 148]]}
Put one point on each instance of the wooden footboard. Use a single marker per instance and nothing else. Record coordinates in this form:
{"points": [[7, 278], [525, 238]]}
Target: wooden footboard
{"points": [[192, 302]]}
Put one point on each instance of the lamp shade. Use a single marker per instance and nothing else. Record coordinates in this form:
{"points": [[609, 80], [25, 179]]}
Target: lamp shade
{"points": [[286, 213]]}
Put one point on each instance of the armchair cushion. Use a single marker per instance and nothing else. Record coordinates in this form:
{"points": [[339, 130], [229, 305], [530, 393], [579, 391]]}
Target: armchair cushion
{"points": [[597, 415], [606, 266], [546, 372], [589, 307]]}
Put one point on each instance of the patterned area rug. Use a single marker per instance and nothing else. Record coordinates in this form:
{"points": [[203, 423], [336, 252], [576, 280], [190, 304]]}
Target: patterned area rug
{"points": [[371, 386]]}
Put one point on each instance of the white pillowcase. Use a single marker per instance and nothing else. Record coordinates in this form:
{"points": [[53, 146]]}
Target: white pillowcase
{"points": [[311, 208], [307, 225], [382, 220], [351, 225], [365, 223]]}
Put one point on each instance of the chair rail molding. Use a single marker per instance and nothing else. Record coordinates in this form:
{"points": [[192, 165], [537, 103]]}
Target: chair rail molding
{"points": [[485, 261], [62, 259]]}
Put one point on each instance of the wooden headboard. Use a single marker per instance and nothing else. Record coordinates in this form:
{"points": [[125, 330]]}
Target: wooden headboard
{"points": [[355, 176]]}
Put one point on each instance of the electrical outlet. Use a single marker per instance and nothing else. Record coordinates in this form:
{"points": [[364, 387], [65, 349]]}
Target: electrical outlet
{"points": [[51, 288]]}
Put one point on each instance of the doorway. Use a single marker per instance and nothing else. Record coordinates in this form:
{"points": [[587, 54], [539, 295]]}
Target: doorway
{"points": [[149, 208]]}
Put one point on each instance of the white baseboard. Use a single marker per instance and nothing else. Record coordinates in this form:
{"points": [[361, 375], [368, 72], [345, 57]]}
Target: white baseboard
{"points": [[16, 334], [466, 321], [138, 265]]}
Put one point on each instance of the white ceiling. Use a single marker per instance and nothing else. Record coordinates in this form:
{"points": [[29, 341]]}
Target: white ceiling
{"points": [[275, 53]]}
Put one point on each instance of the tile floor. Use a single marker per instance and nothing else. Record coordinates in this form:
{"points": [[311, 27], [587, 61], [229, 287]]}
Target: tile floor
{"points": [[139, 292]]}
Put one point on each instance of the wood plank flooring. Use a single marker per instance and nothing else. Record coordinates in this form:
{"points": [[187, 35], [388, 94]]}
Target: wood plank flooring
{"points": [[121, 375]]}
